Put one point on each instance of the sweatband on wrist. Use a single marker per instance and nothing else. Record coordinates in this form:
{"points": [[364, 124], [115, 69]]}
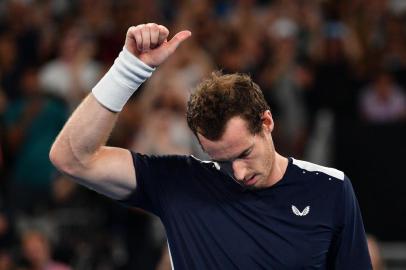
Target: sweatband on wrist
{"points": [[120, 82]]}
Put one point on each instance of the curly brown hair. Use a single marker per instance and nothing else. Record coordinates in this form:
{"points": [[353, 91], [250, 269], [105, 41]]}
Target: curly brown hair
{"points": [[219, 98]]}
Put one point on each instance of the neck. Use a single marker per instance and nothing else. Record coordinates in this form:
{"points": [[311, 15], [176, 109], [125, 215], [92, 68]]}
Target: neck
{"points": [[279, 166]]}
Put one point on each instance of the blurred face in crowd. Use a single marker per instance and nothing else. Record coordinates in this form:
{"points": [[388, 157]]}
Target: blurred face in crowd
{"points": [[383, 85], [35, 248], [5, 261], [7, 51], [249, 157], [76, 45], [30, 82]]}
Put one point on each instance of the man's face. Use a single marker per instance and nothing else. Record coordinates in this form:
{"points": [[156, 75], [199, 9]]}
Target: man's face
{"points": [[250, 157]]}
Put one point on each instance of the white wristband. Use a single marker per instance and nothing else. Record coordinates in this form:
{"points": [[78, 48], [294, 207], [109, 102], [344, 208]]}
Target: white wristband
{"points": [[120, 82]]}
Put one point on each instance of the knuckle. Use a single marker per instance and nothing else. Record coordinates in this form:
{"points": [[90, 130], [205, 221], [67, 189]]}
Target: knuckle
{"points": [[145, 29], [141, 27], [152, 25], [163, 29], [131, 29], [134, 30]]}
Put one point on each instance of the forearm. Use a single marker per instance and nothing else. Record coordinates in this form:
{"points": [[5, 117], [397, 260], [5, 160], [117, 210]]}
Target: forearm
{"points": [[91, 124], [83, 135], [78, 149]]}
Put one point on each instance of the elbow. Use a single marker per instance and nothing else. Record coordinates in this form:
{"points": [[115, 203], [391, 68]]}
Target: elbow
{"points": [[53, 156], [57, 158], [61, 159]]}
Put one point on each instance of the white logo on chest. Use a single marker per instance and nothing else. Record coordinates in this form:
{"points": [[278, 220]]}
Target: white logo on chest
{"points": [[300, 214]]}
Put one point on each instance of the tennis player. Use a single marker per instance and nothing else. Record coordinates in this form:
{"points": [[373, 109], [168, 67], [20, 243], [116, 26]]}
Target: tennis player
{"points": [[248, 208]]}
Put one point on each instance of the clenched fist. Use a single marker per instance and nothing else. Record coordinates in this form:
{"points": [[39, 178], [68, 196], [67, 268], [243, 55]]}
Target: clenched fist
{"points": [[149, 42]]}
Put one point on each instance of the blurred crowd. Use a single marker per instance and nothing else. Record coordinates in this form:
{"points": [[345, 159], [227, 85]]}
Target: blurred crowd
{"points": [[333, 71]]}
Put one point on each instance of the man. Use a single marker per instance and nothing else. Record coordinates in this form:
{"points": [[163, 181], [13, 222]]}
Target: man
{"points": [[250, 208]]}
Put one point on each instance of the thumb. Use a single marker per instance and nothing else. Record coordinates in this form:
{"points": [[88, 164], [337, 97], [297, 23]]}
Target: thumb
{"points": [[178, 39]]}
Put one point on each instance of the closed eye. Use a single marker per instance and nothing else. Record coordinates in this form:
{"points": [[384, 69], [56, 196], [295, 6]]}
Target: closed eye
{"points": [[243, 155]]}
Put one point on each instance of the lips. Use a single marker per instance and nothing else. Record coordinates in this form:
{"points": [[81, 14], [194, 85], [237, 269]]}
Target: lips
{"points": [[250, 181]]}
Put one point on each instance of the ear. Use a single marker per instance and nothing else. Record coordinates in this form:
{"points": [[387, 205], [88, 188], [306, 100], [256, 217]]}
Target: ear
{"points": [[267, 121], [199, 138]]}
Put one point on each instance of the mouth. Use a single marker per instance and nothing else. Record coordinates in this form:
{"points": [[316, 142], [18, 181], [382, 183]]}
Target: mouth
{"points": [[250, 181]]}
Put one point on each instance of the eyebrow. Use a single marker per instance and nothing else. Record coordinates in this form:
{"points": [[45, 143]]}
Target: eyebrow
{"points": [[242, 154]]}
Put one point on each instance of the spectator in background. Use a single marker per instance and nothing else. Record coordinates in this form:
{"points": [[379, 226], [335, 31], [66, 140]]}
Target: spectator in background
{"points": [[37, 252], [394, 49], [9, 67], [335, 54], [243, 36], [163, 104], [7, 236], [165, 130], [31, 122], [74, 72], [375, 253], [383, 101], [6, 260], [3, 102], [88, 241], [279, 78]]}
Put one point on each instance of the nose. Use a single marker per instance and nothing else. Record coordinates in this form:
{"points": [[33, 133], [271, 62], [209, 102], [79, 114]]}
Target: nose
{"points": [[239, 169]]}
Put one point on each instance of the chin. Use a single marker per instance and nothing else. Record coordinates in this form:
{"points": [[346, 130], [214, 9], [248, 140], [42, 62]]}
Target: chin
{"points": [[255, 186]]}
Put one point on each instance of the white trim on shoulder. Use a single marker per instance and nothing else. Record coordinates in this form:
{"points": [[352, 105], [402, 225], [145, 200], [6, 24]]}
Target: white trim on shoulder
{"points": [[170, 255], [311, 167], [216, 165]]}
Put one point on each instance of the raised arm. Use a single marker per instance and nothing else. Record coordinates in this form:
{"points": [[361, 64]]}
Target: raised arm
{"points": [[79, 150]]}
